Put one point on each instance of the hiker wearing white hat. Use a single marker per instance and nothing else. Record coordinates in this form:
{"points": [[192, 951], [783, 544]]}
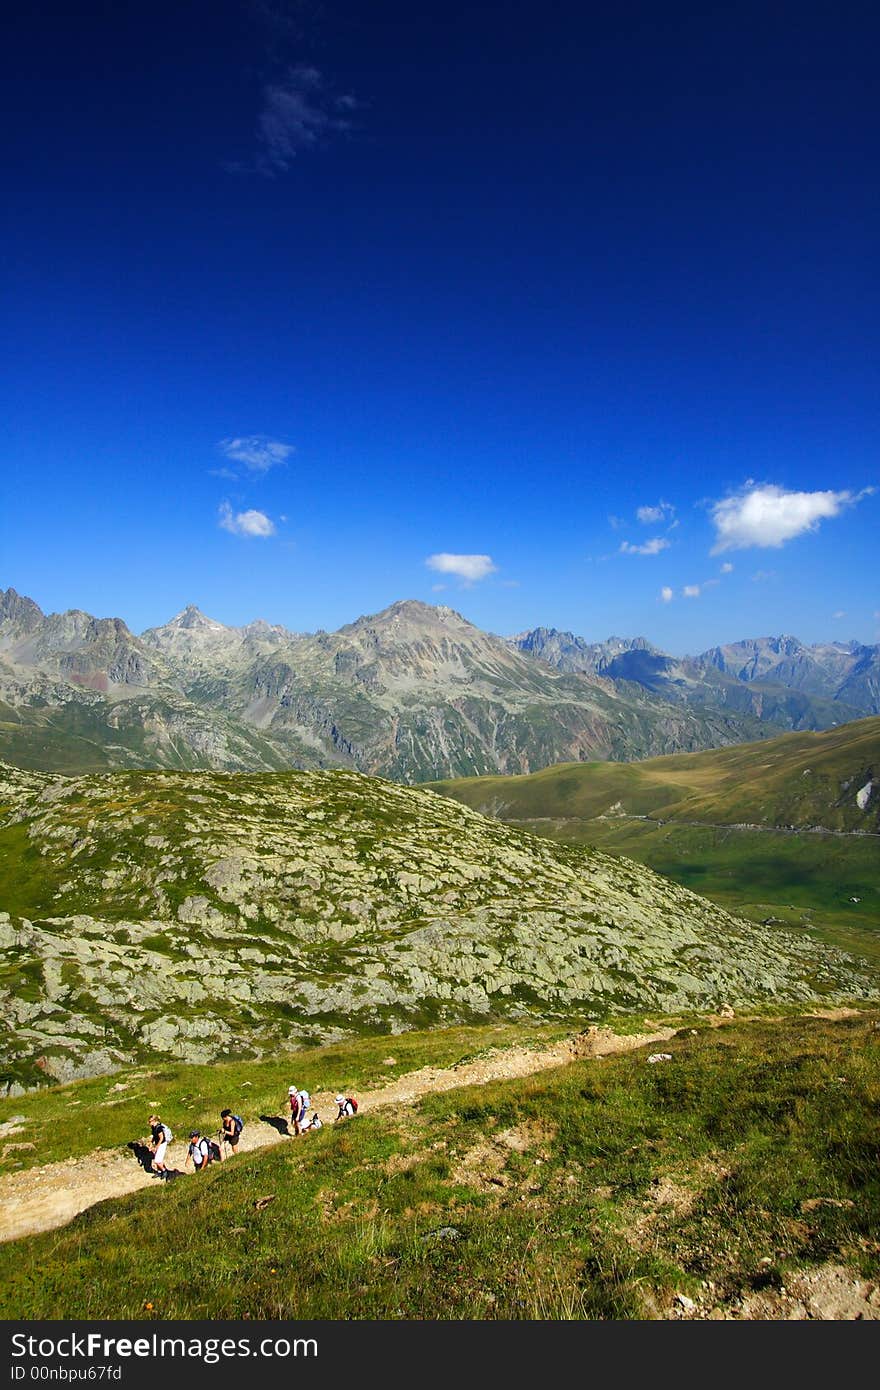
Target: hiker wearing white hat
{"points": [[293, 1102], [345, 1106]]}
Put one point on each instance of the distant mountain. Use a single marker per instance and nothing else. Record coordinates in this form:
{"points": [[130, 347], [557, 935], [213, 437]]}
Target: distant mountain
{"points": [[411, 693], [79, 693], [567, 652], [777, 680]]}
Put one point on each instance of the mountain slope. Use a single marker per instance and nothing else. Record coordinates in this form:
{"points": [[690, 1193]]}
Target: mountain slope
{"points": [[208, 915], [796, 781], [412, 692], [786, 831]]}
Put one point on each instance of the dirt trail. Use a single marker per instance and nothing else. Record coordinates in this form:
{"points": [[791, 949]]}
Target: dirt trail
{"points": [[41, 1199]]}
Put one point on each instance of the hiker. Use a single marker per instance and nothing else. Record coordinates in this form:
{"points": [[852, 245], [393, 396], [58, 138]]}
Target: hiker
{"points": [[345, 1106], [314, 1123], [201, 1151], [305, 1103], [230, 1129], [160, 1137], [293, 1102]]}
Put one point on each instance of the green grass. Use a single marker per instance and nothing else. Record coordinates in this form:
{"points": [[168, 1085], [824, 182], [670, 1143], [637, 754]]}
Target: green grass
{"points": [[598, 1190]]}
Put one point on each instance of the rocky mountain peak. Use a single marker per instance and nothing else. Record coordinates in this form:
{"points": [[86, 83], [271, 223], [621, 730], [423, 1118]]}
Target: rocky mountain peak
{"points": [[411, 619], [19, 611], [192, 619]]}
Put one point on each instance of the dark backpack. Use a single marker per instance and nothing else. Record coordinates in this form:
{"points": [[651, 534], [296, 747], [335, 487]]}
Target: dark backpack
{"points": [[208, 1150]]}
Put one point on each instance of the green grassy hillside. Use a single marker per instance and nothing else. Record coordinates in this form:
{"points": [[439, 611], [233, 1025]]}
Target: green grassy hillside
{"points": [[738, 1179], [799, 781]]}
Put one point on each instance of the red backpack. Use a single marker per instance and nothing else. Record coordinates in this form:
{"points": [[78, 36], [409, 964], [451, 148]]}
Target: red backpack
{"points": [[353, 1103]]}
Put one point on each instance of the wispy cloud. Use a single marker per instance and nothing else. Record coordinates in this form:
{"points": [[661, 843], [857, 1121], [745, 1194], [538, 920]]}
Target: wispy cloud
{"points": [[727, 567], [652, 547], [249, 523], [470, 568], [257, 452], [652, 516], [666, 594], [841, 613], [691, 591], [760, 576], [767, 516], [299, 112]]}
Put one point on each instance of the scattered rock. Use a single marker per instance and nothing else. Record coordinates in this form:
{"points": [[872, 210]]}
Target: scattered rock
{"points": [[812, 1203], [445, 1233]]}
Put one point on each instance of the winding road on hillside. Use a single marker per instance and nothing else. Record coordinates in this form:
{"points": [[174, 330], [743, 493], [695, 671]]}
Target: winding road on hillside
{"points": [[694, 824]]}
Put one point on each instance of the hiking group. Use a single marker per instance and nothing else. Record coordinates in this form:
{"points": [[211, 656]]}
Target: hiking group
{"points": [[203, 1150]]}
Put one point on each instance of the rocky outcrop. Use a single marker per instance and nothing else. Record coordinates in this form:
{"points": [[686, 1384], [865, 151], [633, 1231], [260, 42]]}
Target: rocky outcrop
{"points": [[205, 915]]}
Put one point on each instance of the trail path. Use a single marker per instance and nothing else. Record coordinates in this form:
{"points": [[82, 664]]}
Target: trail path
{"points": [[43, 1198]]}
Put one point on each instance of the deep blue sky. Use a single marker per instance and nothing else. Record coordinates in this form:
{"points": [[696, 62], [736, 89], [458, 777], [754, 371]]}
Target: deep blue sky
{"points": [[494, 276]]}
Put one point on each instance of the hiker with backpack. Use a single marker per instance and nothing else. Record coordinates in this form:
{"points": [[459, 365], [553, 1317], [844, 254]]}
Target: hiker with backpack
{"points": [[201, 1151], [230, 1129], [293, 1102], [345, 1106], [314, 1123], [305, 1103], [160, 1138]]}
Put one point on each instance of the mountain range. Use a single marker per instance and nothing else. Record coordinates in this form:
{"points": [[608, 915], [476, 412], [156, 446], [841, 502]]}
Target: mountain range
{"points": [[413, 693], [779, 680]]}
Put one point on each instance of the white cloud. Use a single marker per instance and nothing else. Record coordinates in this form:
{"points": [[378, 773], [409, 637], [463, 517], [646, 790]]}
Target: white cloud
{"points": [[470, 568], [666, 594], [299, 112], [437, 588], [691, 591], [650, 516], [256, 451], [760, 575], [652, 547], [767, 515], [841, 613], [250, 523], [727, 567]]}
